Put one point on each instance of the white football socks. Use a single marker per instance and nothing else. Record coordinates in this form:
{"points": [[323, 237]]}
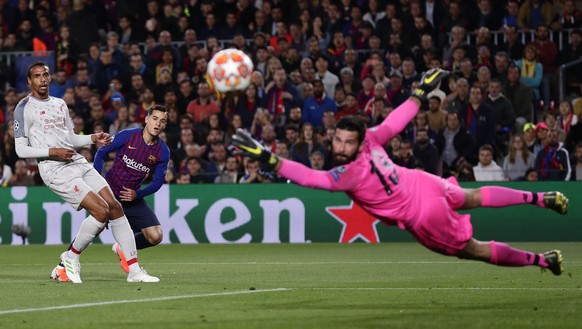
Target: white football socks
{"points": [[87, 232], [124, 236]]}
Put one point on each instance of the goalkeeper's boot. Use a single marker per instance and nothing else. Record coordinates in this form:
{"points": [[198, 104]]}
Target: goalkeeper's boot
{"points": [[556, 201], [59, 274], [141, 275], [122, 261], [554, 260], [72, 268]]}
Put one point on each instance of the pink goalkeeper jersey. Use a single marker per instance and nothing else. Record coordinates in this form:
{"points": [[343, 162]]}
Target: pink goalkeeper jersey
{"points": [[385, 190]]}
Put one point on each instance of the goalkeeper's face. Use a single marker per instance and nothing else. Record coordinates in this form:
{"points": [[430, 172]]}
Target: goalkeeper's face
{"points": [[345, 147]]}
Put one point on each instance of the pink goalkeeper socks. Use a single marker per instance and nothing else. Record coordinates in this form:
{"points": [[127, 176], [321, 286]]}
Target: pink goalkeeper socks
{"points": [[496, 197], [504, 255]]}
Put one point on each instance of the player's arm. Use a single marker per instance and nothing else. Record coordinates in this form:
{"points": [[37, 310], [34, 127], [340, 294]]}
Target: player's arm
{"points": [[82, 140], [247, 146], [159, 177], [403, 114], [299, 174], [116, 143]]}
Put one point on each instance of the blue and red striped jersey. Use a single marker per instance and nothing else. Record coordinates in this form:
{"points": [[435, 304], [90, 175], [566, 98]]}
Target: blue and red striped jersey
{"points": [[134, 160]]}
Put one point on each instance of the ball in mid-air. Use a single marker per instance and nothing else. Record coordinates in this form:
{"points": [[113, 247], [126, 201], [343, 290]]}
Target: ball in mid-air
{"points": [[230, 70]]}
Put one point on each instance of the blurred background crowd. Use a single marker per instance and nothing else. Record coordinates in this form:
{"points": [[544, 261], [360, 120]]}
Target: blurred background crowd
{"points": [[510, 111]]}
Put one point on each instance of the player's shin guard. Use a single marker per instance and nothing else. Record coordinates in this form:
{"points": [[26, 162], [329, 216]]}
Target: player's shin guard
{"points": [[124, 236], [503, 255], [87, 232]]}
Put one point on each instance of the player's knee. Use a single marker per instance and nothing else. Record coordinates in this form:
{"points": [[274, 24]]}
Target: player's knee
{"points": [[101, 212], [115, 209], [155, 237]]}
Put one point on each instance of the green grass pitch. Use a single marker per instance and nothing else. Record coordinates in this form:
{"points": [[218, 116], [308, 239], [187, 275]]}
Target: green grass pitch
{"points": [[387, 285]]}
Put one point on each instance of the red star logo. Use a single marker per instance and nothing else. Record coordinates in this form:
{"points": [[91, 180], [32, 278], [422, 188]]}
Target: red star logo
{"points": [[357, 222]]}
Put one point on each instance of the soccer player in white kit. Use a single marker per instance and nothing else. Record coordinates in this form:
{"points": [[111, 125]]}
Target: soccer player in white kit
{"points": [[43, 130]]}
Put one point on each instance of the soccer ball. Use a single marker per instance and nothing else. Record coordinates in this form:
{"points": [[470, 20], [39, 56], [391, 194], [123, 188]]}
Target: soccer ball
{"points": [[230, 70]]}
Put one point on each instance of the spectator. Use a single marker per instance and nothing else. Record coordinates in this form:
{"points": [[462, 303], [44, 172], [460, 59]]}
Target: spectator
{"points": [[487, 170], [350, 107], [5, 172], [437, 118], [291, 135], [577, 163], [230, 174], [317, 160], [499, 71], [268, 137], [513, 45], [552, 161], [520, 96], [535, 13], [396, 92], [502, 107], [60, 83], [67, 51], [329, 79], [570, 124], [122, 121], [137, 65], [510, 18], [547, 52], [531, 71], [201, 107], [426, 153], [252, 173], [164, 44], [21, 176], [454, 143], [82, 25], [280, 98], [479, 119], [197, 174], [529, 136], [315, 106], [307, 144], [217, 160], [461, 101], [518, 159], [531, 175], [569, 17], [405, 157], [105, 70]]}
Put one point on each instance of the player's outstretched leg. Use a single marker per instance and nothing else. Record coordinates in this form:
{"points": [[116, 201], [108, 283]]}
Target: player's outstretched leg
{"points": [[497, 197], [501, 254]]}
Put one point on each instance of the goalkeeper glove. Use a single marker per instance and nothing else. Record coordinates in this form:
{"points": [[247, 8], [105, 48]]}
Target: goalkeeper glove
{"points": [[429, 82], [247, 146]]}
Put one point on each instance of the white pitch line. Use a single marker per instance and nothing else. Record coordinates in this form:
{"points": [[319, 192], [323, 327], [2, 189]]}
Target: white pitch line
{"points": [[446, 289], [290, 263], [129, 301]]}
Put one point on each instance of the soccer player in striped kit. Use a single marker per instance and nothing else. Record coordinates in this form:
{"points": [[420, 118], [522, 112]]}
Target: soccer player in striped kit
{"points": [[139, 153], [43, 130]]}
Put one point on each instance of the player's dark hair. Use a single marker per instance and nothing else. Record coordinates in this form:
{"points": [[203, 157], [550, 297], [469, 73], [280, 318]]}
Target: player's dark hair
{"points": [[157, 107], [353, 123], [33, 65]]}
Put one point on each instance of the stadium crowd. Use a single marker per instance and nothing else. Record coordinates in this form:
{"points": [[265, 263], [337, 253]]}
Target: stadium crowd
{"points": [[499, 117]]}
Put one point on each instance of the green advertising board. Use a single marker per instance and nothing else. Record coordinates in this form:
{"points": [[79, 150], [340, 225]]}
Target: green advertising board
{"points": [[276, 213]]}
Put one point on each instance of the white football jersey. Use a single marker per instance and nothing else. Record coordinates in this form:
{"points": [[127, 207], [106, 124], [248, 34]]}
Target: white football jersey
{"points": [[45, 122]]}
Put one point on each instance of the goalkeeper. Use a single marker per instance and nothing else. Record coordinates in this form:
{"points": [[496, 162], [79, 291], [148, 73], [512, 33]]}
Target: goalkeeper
{"points": [[417, 201]]}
